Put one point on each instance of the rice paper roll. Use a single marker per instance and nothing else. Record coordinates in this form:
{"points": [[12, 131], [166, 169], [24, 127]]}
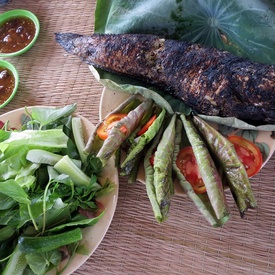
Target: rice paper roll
{"points": [[134, 154], [236, 175], [208, 170], [116, 137], [201, 201], [94, 142], [149, 176], [163, 166]]}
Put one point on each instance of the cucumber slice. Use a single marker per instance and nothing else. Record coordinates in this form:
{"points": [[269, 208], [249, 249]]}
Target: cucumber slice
{"points": [[16, 263], [78, 137], [66, 166], [42, 156]]}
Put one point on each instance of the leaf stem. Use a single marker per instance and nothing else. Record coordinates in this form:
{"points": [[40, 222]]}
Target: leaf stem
{"points": [[32, 218]]}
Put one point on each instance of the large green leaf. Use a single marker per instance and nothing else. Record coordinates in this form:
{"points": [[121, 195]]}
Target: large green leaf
{"points": [[243, 27]]}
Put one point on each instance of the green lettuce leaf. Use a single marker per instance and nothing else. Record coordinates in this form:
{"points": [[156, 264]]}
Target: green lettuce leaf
{"points": [[40, 263], [49, 115], [13, 190], [53, 138]]}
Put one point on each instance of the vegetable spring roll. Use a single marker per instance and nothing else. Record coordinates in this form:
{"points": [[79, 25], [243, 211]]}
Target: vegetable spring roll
{"points": [[116, 136], [132, 177], [201, 201], [128, 164], [131, 141], [208, 170], [94, 143], [235, 172], [149, 176], [163, 166]]}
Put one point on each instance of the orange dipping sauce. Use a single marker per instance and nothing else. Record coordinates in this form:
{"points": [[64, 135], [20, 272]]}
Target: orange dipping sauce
{"points": [[16, 34], [7, 83]]}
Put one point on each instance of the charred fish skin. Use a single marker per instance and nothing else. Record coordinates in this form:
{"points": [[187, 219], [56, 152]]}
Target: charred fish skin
{"points": [[211, 81]]}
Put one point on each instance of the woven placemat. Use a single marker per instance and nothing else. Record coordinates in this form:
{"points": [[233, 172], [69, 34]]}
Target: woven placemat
{"points": [[135, 242]]}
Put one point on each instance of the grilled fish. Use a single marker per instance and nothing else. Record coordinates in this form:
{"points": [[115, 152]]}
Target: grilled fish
{"points": [[211, 81]]}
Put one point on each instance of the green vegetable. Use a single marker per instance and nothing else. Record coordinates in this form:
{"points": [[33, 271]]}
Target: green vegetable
{"points": [[66, 166], [235, 172], [12, 161], [78, 222], [78, 137], [53, 139], [208, 170], [39, 200], [12, 189], [43, 156], [41, 263], [6, 232], [48, 243], [16, 263], [51, 117]]}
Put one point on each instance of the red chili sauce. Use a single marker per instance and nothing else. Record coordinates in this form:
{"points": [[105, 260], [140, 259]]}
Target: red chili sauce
{"points": [[7, 83], [16, 34]]}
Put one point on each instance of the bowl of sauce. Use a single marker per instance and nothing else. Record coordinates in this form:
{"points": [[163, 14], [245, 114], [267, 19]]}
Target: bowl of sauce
{"points": [[9, 81], [19, 30]]}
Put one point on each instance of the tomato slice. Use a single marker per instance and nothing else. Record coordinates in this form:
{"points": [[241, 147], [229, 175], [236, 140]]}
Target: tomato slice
{"points": [[147, 125], [249, 154], [105, 127], [152, 159], [188, 166]]}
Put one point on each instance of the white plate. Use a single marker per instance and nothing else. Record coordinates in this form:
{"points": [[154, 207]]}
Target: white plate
{"points": [[92, 236], [110, 99]]}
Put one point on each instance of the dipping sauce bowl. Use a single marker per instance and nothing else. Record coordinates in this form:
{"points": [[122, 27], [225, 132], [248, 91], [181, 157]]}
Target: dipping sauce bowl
{"points": [[9, 81], [19, 30]]}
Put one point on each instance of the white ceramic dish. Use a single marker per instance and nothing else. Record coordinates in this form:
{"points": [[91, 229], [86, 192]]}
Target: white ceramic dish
{"points": [[110, 99], [92, 236]]}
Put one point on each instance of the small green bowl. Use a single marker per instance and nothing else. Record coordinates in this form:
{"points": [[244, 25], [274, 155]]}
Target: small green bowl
{"points": [[11, 68], [20, 13]]}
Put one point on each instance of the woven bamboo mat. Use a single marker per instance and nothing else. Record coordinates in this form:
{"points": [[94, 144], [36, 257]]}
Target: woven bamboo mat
{"points": [[135, 243]]}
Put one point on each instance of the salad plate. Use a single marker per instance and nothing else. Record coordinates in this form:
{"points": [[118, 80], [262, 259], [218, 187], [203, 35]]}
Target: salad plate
{"points": [[265, 140], [93, 235]]}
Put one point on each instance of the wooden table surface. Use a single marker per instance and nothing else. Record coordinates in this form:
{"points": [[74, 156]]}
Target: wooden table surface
{"points": [[135, 243]]}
